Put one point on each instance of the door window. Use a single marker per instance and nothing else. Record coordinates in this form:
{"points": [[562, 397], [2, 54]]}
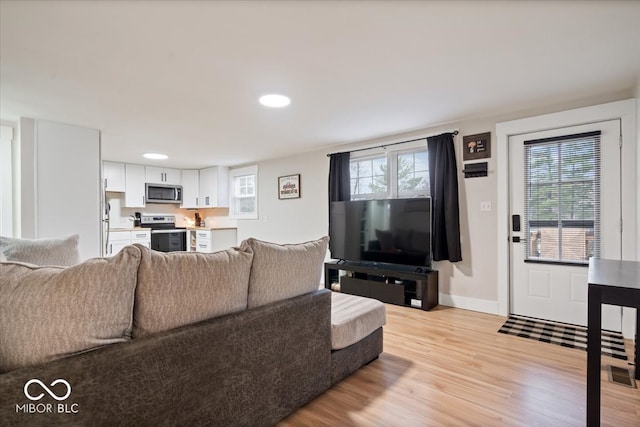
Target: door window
{"points": [[562, 198]]}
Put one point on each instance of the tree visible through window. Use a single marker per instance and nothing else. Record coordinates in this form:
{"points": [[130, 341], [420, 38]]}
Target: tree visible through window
{"points": [[394, 174]]}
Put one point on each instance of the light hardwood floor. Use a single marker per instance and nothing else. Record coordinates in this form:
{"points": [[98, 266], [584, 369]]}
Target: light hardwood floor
{"points": [[450, 367]]}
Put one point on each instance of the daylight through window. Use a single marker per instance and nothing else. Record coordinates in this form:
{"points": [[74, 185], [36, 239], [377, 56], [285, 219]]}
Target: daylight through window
{"points": [[394, 174], [562, 198]]}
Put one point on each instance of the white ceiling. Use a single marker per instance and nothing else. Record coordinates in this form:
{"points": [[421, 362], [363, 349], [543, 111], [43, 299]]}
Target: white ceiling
{"points": [[183, 78]]}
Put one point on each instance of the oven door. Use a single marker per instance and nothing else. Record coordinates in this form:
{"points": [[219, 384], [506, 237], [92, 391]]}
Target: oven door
{"points": [[169, 240]]}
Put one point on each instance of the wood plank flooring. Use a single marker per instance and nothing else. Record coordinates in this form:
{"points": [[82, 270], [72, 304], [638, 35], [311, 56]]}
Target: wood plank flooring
{"points": [[450, 367]]}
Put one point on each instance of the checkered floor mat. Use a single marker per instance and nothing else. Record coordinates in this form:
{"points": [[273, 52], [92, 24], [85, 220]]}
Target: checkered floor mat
{"points": [[566, 335]]}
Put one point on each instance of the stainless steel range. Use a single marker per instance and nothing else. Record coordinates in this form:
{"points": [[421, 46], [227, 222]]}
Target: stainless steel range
{"points": [[165, 236]]}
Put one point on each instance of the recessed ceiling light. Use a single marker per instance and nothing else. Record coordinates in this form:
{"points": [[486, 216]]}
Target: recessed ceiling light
{"points": [[275, 101], [155, 156]]}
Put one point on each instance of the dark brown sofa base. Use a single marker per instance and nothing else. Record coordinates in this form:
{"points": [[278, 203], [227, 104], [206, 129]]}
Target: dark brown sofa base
{"points": [[349, 359], [247, 369]]}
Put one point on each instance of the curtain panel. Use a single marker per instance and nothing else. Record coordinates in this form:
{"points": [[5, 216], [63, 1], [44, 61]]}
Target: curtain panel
{"points": [[443, 176], [339, 177]]}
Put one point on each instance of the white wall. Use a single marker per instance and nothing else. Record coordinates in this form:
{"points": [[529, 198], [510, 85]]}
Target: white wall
{"points": [[291, 220], [6, 181], [61, 183]]}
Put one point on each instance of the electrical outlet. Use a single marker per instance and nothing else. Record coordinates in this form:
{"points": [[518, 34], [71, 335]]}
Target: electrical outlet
{"points": [[485, 206]]}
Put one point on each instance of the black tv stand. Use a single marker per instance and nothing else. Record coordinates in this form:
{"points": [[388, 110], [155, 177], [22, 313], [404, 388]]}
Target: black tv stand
{"points": [[392, 284]]}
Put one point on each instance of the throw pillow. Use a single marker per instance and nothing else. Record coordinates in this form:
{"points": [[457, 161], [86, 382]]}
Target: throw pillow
{"points": [[283, 271], [63, 252], [50, 312], [179, 288]]}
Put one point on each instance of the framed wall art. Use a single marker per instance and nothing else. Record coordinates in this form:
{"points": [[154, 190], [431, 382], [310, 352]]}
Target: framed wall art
{"points": [[476, 146], [289, 187]]}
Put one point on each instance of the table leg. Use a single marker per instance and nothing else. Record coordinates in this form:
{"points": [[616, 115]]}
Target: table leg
{"points": [[594, 343], [636, 359]]}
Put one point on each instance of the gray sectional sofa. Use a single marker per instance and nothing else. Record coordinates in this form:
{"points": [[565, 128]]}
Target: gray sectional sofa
{"points": [[241, 337]]}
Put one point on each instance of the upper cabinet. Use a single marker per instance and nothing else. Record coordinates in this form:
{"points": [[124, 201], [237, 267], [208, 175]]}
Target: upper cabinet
{"points": [[214, 191], [114, 177], [190, 188], [155, 175], [134, 188]]}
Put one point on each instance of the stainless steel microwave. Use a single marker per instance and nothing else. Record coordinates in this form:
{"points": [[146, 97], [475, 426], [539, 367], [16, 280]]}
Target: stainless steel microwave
{"points": [[161, 193]]}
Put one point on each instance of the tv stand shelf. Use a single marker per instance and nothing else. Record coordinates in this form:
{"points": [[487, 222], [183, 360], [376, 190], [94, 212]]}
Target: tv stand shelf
{"points": [[418, 289]]}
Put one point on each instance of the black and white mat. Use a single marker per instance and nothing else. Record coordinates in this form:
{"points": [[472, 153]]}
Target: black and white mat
{"points": [[566, 335]]}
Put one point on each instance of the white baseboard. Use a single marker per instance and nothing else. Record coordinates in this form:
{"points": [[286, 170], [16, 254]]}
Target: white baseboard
{"points": [[474, 304]]}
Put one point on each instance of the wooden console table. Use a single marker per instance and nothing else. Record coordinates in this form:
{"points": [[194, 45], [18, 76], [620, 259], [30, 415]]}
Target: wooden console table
{"points": [[381, 283], [610, 282]]}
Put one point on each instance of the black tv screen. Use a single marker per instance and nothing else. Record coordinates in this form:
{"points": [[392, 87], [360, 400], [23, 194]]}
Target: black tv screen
{"points": [[390, 231]]}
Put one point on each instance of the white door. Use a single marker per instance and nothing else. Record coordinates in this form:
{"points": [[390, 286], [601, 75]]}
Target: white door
{"points": [[567, 211]]}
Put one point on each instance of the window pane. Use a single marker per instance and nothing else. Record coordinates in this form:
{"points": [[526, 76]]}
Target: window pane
{"points": [[562, 204], [422, 161], [368, 178], [364, 168]]}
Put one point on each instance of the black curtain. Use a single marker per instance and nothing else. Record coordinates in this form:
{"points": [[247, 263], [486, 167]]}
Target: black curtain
{"points": [[339, 177], [443, 176]]}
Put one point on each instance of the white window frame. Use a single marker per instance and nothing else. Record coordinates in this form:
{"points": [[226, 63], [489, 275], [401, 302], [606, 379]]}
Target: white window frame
{"points": [[233, 175], [391, 155]]}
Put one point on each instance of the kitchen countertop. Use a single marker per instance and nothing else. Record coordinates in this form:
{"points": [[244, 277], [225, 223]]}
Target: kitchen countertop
{"points": [[212, 228], [128, 229], [188, 228]]}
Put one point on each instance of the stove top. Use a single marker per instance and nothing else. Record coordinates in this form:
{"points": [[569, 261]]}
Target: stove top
{"points": [[159, 222]]}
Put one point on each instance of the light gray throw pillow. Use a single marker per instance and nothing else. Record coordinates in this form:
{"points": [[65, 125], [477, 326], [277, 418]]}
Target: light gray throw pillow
{"points": [[62, 252], [180, 288], [279, 272], [51, 312]]}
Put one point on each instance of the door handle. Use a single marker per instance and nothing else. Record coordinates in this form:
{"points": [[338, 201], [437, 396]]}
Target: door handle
{"points": [[518, 239]]}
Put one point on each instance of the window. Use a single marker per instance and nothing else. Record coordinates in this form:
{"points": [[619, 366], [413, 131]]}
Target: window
{"points": [[395, 174], [368, 178], [562, 198], [243, 193]]}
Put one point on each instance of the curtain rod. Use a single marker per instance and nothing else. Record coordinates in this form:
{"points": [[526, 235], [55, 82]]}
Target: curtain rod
{"points": [[455, 132]]}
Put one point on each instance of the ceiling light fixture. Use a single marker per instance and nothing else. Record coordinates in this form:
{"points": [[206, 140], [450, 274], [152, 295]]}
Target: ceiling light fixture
{"points": [[274, 100], [155, 156]]}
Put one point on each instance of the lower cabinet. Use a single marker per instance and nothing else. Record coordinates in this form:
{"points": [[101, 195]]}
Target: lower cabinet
{"points": [[120, 239], [213, 240]]}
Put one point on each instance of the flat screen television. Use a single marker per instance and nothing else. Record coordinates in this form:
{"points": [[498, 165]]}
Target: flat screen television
{"points": [[388, 231]]}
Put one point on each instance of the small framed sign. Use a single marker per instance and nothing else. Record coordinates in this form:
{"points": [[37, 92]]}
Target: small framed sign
{"points": [[476, 146], [289, 187]]}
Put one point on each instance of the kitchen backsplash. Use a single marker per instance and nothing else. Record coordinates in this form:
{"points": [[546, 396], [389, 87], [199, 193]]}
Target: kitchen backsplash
{"points": [[122, 217]]}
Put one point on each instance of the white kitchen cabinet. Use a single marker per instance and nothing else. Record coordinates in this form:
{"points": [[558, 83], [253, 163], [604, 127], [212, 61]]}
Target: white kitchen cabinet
{"points": [[214, 191], [114, 176], [142, 237], [134, 186], [190, 188], [216, 239], [119, 239], [156, 175]]}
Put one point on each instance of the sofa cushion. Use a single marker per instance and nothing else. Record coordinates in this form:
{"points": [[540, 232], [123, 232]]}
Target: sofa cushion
{"points": [[284, 271], [63, 252], [353, 318], [50, 312], [179, 288]]}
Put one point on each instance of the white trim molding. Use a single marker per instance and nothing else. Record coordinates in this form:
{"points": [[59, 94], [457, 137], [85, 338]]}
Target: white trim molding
{"points": [[473, 304]]}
